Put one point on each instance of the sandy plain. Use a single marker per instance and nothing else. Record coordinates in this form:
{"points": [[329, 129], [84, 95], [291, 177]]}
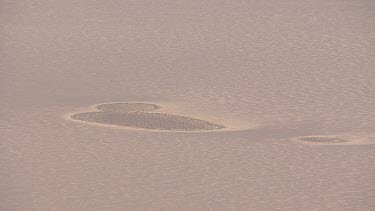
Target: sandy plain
{"points": [[270, 72]]}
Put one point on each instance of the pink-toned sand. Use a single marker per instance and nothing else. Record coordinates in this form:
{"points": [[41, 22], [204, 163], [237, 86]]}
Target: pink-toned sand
{"points": [[269, 71]]}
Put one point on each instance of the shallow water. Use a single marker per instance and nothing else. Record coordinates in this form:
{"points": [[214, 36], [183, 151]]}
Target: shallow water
{"points": [[271, 71]]}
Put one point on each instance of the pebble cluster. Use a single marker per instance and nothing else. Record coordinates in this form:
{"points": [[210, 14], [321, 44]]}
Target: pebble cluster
{"points": [[323, 139], [135, 115]]}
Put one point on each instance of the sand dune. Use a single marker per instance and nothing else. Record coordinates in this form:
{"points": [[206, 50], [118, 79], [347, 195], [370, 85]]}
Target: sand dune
{"points": [[270, 71]]}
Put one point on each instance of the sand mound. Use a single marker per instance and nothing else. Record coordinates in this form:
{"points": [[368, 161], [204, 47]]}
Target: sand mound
{"points": [[322, 139], [135, 115]]}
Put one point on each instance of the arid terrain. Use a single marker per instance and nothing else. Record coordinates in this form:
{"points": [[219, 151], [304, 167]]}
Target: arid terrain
{"points": [[187, 105]]}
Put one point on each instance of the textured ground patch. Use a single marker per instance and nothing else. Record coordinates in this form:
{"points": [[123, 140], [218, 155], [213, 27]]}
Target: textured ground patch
{"points": [[322, 139], [135, 115], [127, 107]]}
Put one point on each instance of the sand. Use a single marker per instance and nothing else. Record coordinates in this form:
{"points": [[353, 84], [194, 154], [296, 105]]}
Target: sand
{"points": [[269, 71], [133, 115]]}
